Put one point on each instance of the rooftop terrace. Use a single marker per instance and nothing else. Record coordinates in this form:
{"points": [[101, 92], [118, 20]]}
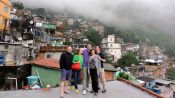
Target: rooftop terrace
{"points": [[115, 89]]}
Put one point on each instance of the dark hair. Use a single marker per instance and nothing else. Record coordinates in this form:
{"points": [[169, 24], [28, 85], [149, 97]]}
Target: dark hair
{"points": [[91, 51], [77, 51], [98, 46], [68, 46]]}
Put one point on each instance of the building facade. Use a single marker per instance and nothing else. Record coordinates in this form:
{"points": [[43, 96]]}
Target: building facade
{"points": [[111, 47], [5, 8]]}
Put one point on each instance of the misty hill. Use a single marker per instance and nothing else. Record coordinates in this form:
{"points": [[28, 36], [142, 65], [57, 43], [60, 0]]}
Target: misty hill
{"points": [[165, 41]]}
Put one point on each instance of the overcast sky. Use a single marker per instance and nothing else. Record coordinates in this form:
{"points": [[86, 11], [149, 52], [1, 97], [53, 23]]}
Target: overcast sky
{"points": [[131, 14]]}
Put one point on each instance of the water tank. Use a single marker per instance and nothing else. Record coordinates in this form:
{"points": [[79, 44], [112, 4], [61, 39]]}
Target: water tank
{"points": [[1, 59]]}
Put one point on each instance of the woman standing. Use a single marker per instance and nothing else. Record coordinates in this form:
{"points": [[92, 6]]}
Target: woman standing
{"points": [[94, 65], [78, 58]]}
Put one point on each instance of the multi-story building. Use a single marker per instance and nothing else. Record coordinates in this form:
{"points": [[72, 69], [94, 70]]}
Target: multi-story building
{"points": [[5, 8], [130, 47], [111, 47]]}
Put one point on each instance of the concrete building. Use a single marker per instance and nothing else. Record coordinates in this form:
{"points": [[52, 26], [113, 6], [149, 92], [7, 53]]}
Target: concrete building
{"points": [[50, 52], [5, 7], [111, 47], [130, 47], [14, 54]]}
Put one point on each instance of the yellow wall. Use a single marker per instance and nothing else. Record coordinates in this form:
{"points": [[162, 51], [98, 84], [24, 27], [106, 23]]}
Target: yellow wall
{"points": [[5, 7]]}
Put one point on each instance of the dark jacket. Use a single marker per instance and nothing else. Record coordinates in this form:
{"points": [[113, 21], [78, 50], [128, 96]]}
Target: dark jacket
{"points": [[103, 57], [66, 60]]}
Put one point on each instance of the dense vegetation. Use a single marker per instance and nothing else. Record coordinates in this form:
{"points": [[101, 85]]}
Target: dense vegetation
{"points": [[93, 36], [127, 60], [170, 73]]}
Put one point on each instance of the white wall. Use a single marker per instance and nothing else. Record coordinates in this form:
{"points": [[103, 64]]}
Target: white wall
{"points": [[112, 48], [109, 39], [114, 45], [25, 43], [54, 55]]}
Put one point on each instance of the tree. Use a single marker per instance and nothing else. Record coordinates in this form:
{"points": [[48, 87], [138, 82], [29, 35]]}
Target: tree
{"points": [[40, 11], [170, 73], [93, 36], [18, 5], [127, 60]]}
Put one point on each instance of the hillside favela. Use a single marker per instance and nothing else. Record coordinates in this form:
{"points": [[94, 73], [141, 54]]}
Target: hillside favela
{"points": [[87, 49]]}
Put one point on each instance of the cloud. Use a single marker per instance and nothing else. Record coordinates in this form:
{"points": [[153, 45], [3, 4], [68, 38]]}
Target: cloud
{"points": [[130, 14]]}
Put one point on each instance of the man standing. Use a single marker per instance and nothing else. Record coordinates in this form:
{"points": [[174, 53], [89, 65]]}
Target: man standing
{"points": [[66, 72], [101, 71], [86, 68]]}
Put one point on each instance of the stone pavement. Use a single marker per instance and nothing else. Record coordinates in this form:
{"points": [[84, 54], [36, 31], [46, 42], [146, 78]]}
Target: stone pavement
{"points": [[115, 89]]}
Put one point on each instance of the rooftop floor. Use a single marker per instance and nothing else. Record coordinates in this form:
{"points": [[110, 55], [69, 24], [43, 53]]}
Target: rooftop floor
{"points": [[115, 89]]}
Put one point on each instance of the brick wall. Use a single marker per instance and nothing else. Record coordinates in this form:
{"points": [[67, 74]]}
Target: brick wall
{"points": [[109, 75]]}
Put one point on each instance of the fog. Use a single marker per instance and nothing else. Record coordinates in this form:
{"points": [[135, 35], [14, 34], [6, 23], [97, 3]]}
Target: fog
{"points": [[126, 14]]}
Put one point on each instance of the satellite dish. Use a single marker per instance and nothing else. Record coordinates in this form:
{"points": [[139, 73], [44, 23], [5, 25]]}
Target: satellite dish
{"points": [[20, 38], [31, 22]]}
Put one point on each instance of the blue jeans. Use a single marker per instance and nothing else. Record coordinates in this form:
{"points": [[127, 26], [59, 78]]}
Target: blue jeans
{"points": [[76, 78]]}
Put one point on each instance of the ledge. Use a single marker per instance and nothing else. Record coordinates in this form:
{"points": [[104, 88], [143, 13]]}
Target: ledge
{"points": [[141, 88]]}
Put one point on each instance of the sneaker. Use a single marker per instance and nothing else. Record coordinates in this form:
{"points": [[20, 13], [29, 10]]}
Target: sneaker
{"points": [[103, 91], [88, 89], [76, 91], [92, 92], [84, 92], [95, 94], [67, 92]]}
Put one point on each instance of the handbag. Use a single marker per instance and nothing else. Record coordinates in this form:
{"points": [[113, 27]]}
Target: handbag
{"points": [[76, 66]]}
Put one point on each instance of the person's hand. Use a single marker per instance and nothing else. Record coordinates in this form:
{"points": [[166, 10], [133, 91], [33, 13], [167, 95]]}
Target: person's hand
{"points": [[77, 62]]}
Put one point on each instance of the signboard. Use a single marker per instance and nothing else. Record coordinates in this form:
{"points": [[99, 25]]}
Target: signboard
{"points": [[49, 26]]}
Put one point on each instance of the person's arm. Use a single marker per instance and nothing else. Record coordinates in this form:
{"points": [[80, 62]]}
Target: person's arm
{"points": [[97, 60], [75, 59], [101, 58], [61, 61], [90, 59]]}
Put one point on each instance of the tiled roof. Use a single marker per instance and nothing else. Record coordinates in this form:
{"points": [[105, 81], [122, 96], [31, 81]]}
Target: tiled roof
{"points": [[52, 49], [47, 62]]}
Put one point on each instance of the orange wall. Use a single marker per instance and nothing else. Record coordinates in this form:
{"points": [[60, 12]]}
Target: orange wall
{"points": [[4, 14]]}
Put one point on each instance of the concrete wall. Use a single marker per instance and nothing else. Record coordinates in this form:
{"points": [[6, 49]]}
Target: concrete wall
{"points": [[54, 55], [48, 76], [14, 53]]}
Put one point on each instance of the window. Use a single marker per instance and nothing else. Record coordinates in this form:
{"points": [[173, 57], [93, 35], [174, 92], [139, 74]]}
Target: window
{"points": [[6, 8], [30, 44], [111, 50], [49, 55], [111, 39], [4, 21], [111, 45], [6, 47]]}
